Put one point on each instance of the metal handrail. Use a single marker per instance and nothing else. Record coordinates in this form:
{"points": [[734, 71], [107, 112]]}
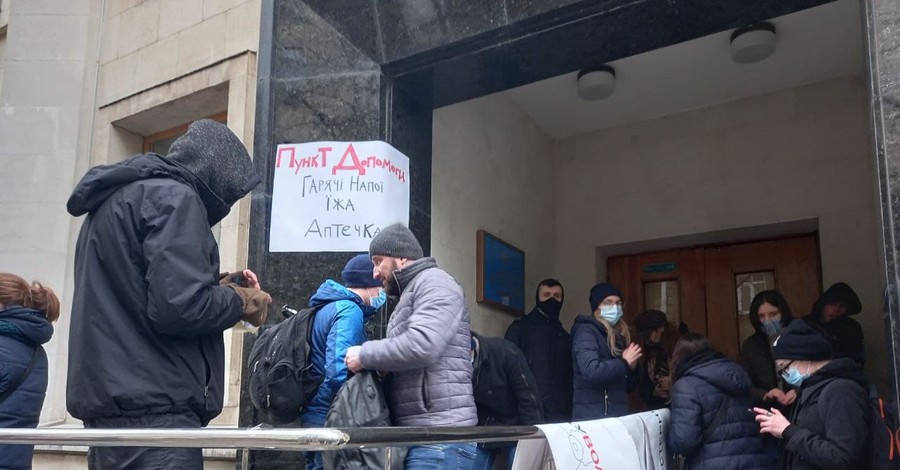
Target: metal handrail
{"points": [[292, 439]]}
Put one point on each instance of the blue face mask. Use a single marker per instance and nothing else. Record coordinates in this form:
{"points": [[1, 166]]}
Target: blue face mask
{"points": [[793, 377], [379, 300], [611, 313], [771, 327]]}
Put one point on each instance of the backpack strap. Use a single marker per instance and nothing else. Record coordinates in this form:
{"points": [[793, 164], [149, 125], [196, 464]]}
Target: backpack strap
{"points": [[720, 413], [12, 388]]}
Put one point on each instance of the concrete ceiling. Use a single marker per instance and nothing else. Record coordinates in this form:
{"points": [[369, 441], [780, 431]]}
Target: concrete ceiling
{"points": [[813, 45]]}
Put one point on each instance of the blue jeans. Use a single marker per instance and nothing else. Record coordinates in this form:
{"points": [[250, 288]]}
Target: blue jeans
{"points": [[484, 460], [441, 456]]}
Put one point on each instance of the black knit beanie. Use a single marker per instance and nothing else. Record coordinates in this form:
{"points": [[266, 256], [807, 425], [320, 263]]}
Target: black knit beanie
{"points": [[649, 321], [217, 157], [602, 291], [396, 241], [800, 341]]}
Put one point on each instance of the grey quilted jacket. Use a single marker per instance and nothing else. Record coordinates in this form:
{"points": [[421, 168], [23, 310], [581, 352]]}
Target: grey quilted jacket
{"points": [[427, 349]]}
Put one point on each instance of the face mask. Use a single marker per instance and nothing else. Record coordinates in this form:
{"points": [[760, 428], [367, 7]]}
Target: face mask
{"points": [[379, 300], [611, 313], [771, 327], [793, 377], [550, 307]]}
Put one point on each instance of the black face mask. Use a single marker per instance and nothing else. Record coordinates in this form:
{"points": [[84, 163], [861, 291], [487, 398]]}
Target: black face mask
{"points": [[550, 307]]}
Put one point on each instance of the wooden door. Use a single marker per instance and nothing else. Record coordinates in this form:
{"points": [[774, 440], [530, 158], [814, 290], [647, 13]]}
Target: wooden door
{"points": [[714, 284]]}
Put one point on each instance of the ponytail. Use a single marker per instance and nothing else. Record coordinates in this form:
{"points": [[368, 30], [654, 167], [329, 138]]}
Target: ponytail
{"points": [[16, 291]]}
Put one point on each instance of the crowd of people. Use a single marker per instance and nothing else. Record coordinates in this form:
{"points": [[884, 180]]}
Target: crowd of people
{"points": [[150, 306]]}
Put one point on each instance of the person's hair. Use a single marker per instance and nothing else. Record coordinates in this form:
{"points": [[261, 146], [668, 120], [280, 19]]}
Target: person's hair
{"points": [[549, 282], [620, 328], [688, 345], [16, 291], [774, 298]]}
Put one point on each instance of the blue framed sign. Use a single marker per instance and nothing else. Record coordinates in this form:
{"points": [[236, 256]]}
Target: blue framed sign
{"points": [[501, 274]]}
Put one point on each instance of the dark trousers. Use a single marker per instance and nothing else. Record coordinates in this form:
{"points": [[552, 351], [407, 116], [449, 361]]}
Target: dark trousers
{"points": [[145, 458]]}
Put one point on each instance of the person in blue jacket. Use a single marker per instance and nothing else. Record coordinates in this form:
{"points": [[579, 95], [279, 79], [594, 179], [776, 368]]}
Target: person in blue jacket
{"points": [[604, 358], [707, 385], [26, 311], [338, 325]]}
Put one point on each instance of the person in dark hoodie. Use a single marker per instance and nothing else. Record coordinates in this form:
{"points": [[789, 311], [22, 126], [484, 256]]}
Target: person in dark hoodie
{"points": [[338, 325], [710, 425], [149, 308], [604, 358], [547, 347], [829, 425], [505, 394], [26, 314], [830, 316]]}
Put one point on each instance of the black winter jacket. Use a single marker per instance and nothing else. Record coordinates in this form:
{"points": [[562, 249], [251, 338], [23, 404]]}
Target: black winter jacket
{"points": [[504, 388], [701, 383], [148, 312], [830, 423], [601, 381], [844, 334], [547, 348], [22, 332], [756, 358]]}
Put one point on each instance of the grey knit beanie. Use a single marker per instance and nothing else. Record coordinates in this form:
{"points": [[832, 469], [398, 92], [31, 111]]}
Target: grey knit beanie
{"points": [[396, 241]]}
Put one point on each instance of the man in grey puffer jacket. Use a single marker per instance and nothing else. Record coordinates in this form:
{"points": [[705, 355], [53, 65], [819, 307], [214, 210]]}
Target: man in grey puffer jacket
{"points": [[427, 348]]}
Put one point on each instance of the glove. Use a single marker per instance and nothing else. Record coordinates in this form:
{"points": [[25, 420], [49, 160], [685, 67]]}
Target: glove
{"points": [[256, 304]]}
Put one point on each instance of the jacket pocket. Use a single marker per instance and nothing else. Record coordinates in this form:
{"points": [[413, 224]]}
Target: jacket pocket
{"points": [[426, 393]]}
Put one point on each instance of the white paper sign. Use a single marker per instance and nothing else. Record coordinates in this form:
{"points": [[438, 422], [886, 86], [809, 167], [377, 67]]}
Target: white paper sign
{"points": [[600, 444], [336, 196]]}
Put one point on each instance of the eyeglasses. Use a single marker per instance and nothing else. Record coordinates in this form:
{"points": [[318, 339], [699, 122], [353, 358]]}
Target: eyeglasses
{"points": [[782, 369], [612, 304]]}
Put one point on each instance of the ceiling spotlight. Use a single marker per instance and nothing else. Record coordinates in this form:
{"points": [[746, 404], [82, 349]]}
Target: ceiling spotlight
{"points": [[596, 83], [753, 43]]}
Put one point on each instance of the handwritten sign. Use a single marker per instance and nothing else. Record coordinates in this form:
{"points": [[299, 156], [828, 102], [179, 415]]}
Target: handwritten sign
{"points": [[587, 445], [336, 196]]}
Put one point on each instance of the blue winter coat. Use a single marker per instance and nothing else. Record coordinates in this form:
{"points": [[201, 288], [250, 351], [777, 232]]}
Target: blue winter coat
{"points": [[601, 381], [337, 326], [21, 331], [701, 383]]}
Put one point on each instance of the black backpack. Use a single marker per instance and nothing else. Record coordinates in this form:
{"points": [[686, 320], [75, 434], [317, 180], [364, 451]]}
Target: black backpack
{"points": [[282, 380], [885, 433]]}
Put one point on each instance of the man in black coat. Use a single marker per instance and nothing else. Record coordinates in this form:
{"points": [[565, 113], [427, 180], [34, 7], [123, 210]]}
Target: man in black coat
{"points": [[145, 344], [505, 393], [830, 316], [547, 348]]}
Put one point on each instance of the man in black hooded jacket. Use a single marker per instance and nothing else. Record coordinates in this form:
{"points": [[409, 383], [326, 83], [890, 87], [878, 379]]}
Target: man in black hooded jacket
{"points": [[145, 344], [546, 345], [830, 316]]}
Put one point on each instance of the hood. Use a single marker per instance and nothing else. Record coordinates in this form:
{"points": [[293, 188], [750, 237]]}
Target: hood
{"points": [[404, 276], [717, 370], [102, 181], [30, 323], [838, 368], [840, 292], [331, 291], [588, 321]]}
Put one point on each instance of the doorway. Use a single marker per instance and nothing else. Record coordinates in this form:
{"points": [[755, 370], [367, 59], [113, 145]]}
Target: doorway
{"points": [[709, 288]]}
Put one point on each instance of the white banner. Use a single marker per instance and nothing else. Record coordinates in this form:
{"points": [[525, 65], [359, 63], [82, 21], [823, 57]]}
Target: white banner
{"points": [[336, 196], [600, 444]]}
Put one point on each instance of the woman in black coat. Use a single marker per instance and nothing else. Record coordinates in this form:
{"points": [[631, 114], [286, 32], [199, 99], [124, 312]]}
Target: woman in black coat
{"points": [[603, 357], [829, 425], [769, 314], [710, 424], [25, 315]]}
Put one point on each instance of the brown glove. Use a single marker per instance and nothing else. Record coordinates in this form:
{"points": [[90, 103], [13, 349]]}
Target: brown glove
{"points": [[256, 304]]}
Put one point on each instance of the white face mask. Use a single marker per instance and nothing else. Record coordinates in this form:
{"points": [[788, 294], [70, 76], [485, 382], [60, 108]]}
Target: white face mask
{"points": [[611, 313]]}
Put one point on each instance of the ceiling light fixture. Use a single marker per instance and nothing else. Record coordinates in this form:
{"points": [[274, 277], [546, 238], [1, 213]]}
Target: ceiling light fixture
{"points": [[596, 83], [753, 43]]}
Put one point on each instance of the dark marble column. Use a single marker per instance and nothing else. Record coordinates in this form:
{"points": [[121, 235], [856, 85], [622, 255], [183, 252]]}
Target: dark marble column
{"points": [[882, 27]]}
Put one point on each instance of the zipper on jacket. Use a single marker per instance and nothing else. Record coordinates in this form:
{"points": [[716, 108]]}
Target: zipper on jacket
{"points": [[207, 370], [605, 403]]}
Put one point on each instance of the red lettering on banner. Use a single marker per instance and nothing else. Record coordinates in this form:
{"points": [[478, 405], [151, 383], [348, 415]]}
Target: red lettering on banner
{"points": [[282, 151], [350, 152], [323, 151], [595, 457]]}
